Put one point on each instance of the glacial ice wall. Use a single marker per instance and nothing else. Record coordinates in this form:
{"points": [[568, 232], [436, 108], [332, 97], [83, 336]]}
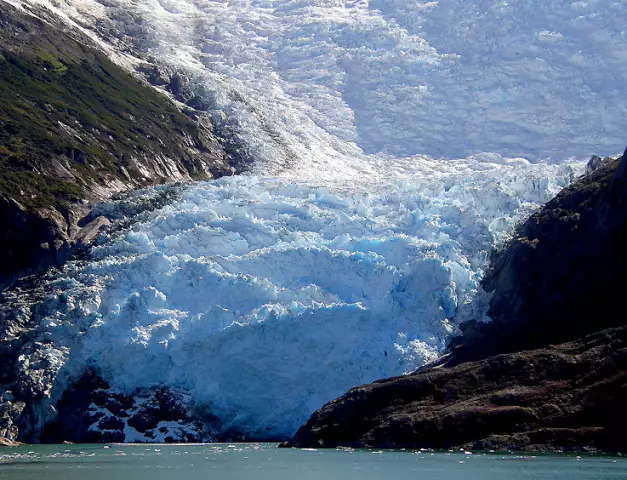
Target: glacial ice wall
{"points": [[357, 245], [264, 298]]}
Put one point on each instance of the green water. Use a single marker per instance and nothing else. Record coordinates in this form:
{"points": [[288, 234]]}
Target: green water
{"points": [[265, 461]]}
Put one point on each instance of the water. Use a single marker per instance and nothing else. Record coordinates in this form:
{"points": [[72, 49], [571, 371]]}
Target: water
{"points": [[265, 461]]}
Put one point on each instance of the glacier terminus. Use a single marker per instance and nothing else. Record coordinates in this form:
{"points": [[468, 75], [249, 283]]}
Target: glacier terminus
{"points": [[396, 143]]}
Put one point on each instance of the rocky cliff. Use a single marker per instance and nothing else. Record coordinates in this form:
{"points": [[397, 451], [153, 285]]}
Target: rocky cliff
{"points": [[76, 128], [563, 272], [550, 371]]}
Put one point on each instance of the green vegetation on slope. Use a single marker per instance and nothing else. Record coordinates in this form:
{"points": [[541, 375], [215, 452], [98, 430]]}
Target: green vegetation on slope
{"points": [[73, 122], [69, 115], [47, 98]]}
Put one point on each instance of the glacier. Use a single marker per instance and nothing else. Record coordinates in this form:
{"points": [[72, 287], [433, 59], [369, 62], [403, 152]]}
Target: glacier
{"points": [[396, 142], [264, 298]]}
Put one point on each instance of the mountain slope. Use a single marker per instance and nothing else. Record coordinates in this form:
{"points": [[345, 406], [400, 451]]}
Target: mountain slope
{"points": [[75, 128]]}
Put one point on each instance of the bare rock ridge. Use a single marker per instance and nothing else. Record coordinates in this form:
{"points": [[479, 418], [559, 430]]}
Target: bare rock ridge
{"points": [[550, 372], [75, 129]]}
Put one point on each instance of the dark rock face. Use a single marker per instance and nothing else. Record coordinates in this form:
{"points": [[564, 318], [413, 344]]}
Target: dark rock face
{"points": [[91, 412], [26, 233], [563, 273], [76, 128], [568, 396], [550, 372]]}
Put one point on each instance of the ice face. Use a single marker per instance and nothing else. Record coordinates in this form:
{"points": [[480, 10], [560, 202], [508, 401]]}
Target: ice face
{"points": [[351, 253], [265, 298]]}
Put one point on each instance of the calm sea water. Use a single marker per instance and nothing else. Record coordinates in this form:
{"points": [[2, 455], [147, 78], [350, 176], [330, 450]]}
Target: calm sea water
{"points": [[265, 461]]}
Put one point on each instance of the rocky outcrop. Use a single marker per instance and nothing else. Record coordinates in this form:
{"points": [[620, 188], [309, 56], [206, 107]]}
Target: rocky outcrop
{"points": [[562, 275], [567, 396], [76, 128], [550, 371], [5, 442], [91, 412]]}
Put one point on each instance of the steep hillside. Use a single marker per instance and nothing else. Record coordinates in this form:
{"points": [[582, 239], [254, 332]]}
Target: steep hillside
{"points": [[76, 128], [550, 371], [562, 274]]}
